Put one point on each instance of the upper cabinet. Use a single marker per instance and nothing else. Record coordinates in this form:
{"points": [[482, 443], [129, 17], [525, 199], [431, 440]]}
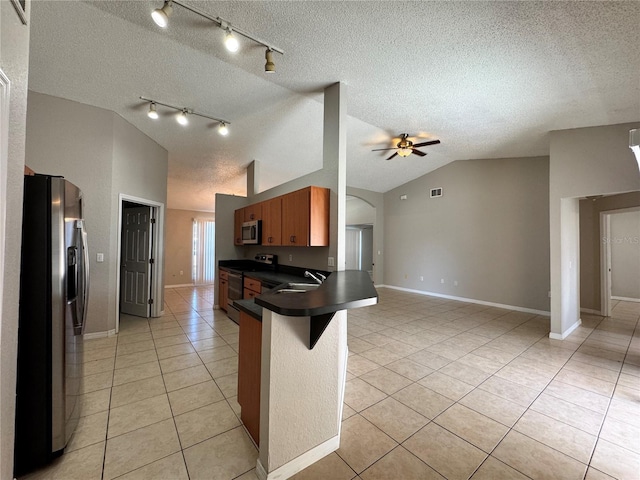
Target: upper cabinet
{"points": [[272, 221], [299, 218], [305, 217], [238, 218], [253, 212]]}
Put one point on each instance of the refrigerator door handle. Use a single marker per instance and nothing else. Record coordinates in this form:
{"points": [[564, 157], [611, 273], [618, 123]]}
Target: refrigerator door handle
{"points": [[85, 273]]}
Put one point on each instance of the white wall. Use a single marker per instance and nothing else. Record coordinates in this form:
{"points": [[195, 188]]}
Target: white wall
{"points": [[583, 162], [104, 156], [625, 255], [488, 232], [14, 62]]}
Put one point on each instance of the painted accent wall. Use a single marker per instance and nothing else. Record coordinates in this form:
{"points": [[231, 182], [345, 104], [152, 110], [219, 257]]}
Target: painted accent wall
{"points": [[14, 62], [104, 156], [590, 243], [488, 232], [179, 245]]}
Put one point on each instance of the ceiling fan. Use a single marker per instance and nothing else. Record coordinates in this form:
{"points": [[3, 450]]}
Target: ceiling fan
{"points": [[406, 147]]}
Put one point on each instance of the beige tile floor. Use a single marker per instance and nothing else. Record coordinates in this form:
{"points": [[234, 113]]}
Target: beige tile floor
{"points": [[435, 389]]}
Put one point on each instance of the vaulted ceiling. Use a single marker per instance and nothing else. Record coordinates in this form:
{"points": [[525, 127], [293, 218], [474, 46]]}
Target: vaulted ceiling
{"points": [[489, 79]]}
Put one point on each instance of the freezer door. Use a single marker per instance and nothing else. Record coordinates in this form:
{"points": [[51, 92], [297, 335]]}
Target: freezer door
{"points": [[76, 286]]}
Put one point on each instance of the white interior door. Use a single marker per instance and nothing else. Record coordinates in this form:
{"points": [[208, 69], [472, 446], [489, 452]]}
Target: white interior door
{"points": [[135, 261]]}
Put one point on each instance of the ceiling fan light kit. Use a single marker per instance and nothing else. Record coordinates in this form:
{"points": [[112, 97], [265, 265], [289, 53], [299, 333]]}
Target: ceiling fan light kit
{"points": [[182, 115], [406, 147], [161, 17]]}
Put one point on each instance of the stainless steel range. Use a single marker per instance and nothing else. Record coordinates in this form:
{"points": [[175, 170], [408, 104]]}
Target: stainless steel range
{"points": [[265, 261]]}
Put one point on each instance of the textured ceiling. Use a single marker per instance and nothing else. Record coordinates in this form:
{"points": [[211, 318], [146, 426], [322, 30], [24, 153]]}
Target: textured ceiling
{"points": [[489, 79]]}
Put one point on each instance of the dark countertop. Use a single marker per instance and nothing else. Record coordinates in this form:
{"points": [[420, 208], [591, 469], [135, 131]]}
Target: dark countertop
{"points": [[340, 291], [277, 278], [250, 307]]}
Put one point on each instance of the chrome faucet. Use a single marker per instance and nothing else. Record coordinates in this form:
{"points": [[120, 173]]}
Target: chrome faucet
{"points": [[308, 274]]}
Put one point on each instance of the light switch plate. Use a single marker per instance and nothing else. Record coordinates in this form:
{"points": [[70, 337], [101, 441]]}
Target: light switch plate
{"points": [[100, 257], [331, 262]]}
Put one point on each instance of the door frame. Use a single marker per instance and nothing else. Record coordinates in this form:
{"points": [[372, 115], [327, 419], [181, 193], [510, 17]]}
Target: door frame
{"points": [[157, 248]]}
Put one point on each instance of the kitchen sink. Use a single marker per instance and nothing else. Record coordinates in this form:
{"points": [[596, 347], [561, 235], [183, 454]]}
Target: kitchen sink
{"points": [[298, 287]]}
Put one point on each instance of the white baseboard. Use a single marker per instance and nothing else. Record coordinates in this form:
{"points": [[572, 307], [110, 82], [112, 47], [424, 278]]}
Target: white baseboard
{"points": [[299, 463], [626, 299], [180, 285], [471, 300], [590, 310], [94, 335], [567, 332]]}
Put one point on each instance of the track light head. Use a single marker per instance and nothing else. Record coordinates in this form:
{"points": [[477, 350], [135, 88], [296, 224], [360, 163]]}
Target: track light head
{"points": [[152, 113], [223, 129], [161, 15], [231, 42], [269, 66], [182, 118]]}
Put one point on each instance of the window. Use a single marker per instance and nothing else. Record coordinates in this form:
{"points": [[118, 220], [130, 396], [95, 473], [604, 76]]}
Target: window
{"points": [[204, 261]]}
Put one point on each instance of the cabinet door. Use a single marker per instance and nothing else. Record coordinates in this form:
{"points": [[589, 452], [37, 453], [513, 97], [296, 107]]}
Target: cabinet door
{"points": [[295, 218], [250, 348], [272, 222], [253, 212], [319, 217], [238, 218]]}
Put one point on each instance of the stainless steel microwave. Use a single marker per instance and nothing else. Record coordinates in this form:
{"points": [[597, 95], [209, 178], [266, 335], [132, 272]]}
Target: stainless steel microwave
{"points": [[252, 232]]}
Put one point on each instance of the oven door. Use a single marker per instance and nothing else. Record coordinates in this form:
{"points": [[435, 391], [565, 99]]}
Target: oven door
{"points": [[235, 293]]}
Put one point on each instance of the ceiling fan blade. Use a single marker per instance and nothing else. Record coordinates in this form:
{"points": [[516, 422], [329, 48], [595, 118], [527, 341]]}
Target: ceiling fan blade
{"points": [[392, 156], [418, 152], [424, 144], [380, 149]]}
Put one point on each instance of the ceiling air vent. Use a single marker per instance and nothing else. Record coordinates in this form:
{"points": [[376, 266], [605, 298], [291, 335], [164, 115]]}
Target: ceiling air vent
{"points": [[436, 192]]}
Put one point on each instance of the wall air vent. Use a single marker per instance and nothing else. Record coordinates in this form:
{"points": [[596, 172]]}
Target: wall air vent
{"points": [[436, 192]]}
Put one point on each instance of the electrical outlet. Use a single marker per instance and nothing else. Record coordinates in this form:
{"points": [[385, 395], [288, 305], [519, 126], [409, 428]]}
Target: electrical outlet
{"points": [[331, 262], [291, 258], [100, 257], [181, 272], [421, 278], [442, 280]]}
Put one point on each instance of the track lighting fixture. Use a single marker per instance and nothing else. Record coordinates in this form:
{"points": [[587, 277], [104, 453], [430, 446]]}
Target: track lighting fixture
{"points": [[231, 42], [152, 113], [161, 17], [182, 119], [269, 66], [183, 113]]}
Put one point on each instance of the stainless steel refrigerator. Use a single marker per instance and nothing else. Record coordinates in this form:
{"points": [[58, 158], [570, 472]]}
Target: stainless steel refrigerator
{"points": [[54, 283]]}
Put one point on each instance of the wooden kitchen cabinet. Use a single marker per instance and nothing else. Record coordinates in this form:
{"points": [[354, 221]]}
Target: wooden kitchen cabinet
{"points": [[272, 222], [238, 218], [223, 289], [253, 212], [252, 287], [305, 217], [250, 351]]}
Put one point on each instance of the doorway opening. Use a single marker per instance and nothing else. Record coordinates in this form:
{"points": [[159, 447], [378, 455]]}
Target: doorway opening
{"points": [[359, 238], [620, 257], [140, 258]]}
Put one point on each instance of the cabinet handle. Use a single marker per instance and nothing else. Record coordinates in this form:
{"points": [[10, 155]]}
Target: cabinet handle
{"points": [[270, 240], [251, 217], [292, 239]]}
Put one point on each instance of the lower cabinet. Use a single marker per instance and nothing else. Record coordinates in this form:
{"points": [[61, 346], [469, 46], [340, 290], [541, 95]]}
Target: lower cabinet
{"points": [[249, 359]]}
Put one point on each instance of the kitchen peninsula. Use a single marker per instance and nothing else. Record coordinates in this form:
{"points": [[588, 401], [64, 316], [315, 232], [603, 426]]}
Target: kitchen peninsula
{"points": [[292, 366]]}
